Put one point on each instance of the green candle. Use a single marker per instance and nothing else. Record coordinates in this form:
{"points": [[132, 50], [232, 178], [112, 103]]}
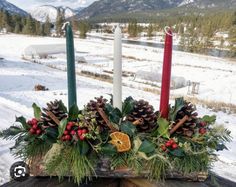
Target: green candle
{"points": [[71, 74]]}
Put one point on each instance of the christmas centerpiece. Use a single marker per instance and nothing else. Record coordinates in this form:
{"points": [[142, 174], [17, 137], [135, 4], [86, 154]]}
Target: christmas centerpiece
{"points": [[118, 139]]}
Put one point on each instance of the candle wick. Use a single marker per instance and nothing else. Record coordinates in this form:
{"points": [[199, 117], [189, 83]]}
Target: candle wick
{"points": [[167, 30]]}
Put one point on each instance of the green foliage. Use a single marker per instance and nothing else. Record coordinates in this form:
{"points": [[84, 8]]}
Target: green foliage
{"points": [[108, 150], [23, 122], [209, 119], [83, 29], [193, 163], [73, 112], [62, 127], [163, 128], [59, 22], [179, 103], [128, 128], [133, 28], [82, 147], [147, 147], [114, 114], [127, 106], [37, 111], [69, 160], [149, 151]]}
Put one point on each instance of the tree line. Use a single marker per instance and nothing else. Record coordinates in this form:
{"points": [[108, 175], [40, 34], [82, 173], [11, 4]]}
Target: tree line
{"points": [[27, 25]]}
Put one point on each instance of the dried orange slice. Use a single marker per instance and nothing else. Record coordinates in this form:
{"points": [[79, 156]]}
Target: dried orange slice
{"points": [[121, 141]]}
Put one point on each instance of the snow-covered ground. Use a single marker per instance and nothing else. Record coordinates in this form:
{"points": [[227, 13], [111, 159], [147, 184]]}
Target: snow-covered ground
{"points": [[18, 78]]}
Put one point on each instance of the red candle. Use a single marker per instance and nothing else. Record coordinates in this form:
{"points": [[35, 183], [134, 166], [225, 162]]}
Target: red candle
{"points": [[166, 76]]}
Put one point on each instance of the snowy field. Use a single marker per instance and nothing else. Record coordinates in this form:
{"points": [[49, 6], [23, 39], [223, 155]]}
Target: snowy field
{"points": [[18, 77]]}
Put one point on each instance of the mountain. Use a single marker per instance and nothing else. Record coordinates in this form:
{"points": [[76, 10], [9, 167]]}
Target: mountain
{"points": [[109, 8], [12, 9], [40, 13]]}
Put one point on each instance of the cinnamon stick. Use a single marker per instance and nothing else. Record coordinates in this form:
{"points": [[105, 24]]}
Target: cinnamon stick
{"points": [[138, 122], [179, 124], [53, 117], [104, 117]]}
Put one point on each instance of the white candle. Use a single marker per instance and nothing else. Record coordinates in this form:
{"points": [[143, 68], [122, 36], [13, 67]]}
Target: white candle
{"points": [[117, 69]]}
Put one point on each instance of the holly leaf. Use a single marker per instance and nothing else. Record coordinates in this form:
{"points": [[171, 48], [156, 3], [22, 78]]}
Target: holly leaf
{"points": [[177, 152], [209, 119], [163, 128], [179, 103], [127, 106], [51, 132], [23, 122], [83, 147], [128, 128], [109, 150], [147, 147], [114, 114], [11, 132], [37, 111], [73, 112], [62, 106], [62, 127]]}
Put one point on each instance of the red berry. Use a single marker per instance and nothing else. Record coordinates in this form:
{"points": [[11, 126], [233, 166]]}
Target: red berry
{"points": [[68, 137], [163, 147], [32, 131], [29, 122], [202, 131], [38, 132], [66, 132], [174, 146], [70, 123], [171, 141], [80, 132], [73, 132], [203, 124], [35, 127], [34, 121], [82, 137], [63, 138], [168, 144], [84, 131]]}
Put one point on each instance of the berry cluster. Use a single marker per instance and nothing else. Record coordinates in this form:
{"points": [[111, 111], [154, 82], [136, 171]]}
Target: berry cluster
{"points": [[35, 128], [202, 129], [72, 130], [171, 144]]}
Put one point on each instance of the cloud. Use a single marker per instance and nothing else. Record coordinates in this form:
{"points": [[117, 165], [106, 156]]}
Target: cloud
{"points": [[29, 4]]}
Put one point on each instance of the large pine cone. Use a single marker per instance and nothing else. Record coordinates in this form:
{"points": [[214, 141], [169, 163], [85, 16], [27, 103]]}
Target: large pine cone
{"points": [[57, 108], [143, 112], [93, 106], [188, 128]]}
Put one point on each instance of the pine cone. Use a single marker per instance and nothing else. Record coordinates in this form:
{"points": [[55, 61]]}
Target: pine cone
{"points": [[188, 127], [56, 108], [144, 111], [93, 106]]}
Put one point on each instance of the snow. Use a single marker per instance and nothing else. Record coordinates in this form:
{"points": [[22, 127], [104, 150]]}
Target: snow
{"points": [[18, 78], [40, 13]]}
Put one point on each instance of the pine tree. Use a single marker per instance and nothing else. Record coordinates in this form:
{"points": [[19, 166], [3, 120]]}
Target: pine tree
{"points": [[59, 22], [47, 26], [7, 21], [150, 31], [83, 29], [133, 28], [29, 27]]}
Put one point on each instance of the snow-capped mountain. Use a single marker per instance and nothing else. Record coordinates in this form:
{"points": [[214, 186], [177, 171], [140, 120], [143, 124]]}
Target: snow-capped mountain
{"points": [[12, 9], [40, 13], [115, 7]]}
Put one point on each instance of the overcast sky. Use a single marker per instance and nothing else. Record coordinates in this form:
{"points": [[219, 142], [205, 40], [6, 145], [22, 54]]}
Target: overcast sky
{"points": [[29, 4]]}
